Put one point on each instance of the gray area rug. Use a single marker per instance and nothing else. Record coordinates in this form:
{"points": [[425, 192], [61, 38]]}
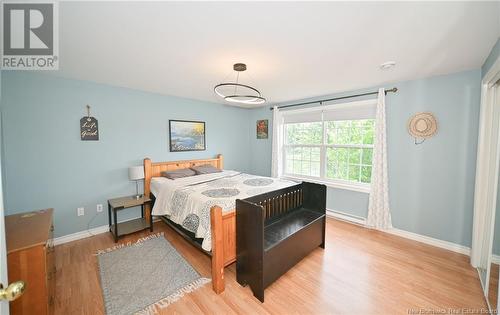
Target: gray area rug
{"points": [[138, 278]]}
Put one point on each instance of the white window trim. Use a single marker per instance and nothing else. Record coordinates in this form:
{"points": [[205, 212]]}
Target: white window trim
{"points": [[332, 183]]}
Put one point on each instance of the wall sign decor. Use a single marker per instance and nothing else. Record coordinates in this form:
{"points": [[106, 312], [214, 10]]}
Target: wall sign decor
{"points": [[88, 127], [186, 135], [422, 126], [262, 129]]}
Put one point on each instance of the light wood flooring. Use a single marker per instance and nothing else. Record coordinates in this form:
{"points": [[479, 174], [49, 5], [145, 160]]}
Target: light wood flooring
{"points": [[361, 271], [493, 286]]}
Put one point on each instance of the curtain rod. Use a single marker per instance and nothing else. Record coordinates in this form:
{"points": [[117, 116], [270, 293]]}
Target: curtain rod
{"points": [[393, 90]]}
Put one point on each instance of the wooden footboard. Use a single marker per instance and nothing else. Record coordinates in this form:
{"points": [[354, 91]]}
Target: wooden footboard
{"points": [[223, 226], [223, 244]]}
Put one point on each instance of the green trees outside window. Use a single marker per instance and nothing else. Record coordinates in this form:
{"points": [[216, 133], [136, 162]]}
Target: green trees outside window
{"points": [[345, 145]]}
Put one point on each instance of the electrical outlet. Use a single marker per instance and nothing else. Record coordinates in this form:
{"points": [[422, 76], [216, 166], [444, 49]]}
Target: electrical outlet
{"points": [[80, 211], [99, 208]]}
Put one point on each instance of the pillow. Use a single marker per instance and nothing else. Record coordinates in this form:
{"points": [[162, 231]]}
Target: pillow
{"points": [[180, 173], [205, 169]]}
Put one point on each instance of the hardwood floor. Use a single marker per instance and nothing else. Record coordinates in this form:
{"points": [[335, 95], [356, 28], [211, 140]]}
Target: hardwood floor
{"points": [[493, 286], [361, 271]]}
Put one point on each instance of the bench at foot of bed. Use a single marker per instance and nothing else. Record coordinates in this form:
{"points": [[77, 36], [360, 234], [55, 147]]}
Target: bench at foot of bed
{"points": [[274, 231]]}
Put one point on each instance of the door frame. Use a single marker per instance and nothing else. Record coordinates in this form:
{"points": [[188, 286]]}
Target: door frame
{"points": [[487, 169], [4, 305]]}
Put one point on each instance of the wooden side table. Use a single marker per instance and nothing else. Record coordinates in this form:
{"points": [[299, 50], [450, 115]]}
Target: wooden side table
{"points": [[131, 226]]}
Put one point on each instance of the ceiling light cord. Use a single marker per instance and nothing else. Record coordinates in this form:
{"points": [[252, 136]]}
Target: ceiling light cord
{"points": [[227, 76], [251, 80], [237, 82]]}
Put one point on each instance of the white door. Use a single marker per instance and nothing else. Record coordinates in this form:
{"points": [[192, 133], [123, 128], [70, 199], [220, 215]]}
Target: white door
{"points": [[497, 302], [4, 305], [487, 176]]}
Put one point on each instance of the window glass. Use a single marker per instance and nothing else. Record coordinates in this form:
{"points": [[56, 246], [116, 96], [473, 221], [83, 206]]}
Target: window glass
{"points": [[304, 133], [303, 161], [349, 131], [345, 152]]}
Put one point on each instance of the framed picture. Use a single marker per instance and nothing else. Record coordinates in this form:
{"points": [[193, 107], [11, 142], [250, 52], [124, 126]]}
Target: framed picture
{"points": [[186, 135], [262, 129]]}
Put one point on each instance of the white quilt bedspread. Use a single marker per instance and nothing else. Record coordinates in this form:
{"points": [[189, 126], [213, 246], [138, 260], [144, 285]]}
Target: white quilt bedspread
{"points": [[187, 201]]}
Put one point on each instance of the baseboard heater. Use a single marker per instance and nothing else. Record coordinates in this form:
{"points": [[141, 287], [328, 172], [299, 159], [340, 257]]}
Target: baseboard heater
{"points": [[346, 216]]}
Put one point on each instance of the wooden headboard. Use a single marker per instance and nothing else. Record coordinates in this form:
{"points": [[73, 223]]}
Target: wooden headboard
{"points": [[154, 169]]}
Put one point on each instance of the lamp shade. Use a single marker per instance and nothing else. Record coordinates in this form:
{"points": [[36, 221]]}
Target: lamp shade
{"points": [[136, 172]]}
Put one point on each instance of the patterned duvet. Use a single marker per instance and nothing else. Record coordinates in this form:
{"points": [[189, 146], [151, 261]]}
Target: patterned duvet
{"points": [[187, 201]]}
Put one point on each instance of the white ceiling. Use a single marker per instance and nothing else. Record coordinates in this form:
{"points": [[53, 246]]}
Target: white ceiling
{"points": [[293, 50]]}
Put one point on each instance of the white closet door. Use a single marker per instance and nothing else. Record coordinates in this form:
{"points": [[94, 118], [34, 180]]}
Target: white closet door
{"points": [[486, 187]]}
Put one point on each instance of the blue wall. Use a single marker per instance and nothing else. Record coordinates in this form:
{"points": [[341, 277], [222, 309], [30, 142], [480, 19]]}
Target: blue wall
{"points": [[46, 164], [431, 185]]}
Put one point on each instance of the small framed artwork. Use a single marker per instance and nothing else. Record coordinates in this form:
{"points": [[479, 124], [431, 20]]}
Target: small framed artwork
{"points": [[262, 129], [186, 135]]}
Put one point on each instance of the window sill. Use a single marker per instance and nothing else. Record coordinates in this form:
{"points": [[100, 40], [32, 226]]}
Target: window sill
{"points": [[364, 188]]}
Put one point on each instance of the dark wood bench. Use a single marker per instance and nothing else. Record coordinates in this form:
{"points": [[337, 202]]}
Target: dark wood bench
{"points": [[275, 230]]}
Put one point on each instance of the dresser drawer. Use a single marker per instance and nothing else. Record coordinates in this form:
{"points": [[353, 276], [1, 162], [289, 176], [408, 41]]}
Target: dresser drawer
{"points": [[29, 265], [30, 257]]}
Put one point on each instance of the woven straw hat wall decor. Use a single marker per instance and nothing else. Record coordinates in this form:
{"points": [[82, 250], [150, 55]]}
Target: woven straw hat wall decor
{"points": [[422, 126]]}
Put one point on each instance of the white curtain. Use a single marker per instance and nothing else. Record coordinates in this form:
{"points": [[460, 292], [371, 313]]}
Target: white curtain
{"points": [[379, 214], [277, 153]]}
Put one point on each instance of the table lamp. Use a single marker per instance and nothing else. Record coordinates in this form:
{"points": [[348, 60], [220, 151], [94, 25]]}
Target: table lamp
{"points": [[136, 173]]}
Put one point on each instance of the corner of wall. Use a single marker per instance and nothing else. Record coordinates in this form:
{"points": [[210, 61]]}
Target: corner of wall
{"points": [[260, 149], [492, 57]]}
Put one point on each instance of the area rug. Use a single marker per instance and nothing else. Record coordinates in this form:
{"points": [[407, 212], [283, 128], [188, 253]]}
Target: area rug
{"points": [[141, 277]]}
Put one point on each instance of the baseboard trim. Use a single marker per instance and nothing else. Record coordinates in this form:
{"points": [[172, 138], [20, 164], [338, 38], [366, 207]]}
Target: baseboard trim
{"points": [[339, 215], [343, 216], [81, 235], [431, 241], [495, 259], [87, 233]]}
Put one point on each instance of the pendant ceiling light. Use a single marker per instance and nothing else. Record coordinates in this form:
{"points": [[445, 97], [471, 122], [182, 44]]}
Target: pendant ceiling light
{"points": [[235, 92]]}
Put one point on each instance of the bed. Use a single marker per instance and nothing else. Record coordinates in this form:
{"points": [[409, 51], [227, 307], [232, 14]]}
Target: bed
{"points": [[207, 200]]}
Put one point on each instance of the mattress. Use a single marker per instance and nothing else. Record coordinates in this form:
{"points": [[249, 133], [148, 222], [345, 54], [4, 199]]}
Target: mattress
{"points": [[187, 201]]}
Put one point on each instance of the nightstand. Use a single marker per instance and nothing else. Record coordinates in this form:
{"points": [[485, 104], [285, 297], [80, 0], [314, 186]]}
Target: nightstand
{"points": [[131, 226]]}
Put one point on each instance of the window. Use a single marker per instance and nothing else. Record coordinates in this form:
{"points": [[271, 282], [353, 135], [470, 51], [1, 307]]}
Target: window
{"points": [[303, 149], [349, 149], [334, 145]]}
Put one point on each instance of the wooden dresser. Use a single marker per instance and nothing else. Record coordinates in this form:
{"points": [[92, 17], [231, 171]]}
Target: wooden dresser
{"points": [[30, 257]]}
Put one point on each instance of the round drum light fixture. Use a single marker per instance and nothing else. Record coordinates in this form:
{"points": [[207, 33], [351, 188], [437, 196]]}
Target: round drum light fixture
{"points": [[236, 92]]}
